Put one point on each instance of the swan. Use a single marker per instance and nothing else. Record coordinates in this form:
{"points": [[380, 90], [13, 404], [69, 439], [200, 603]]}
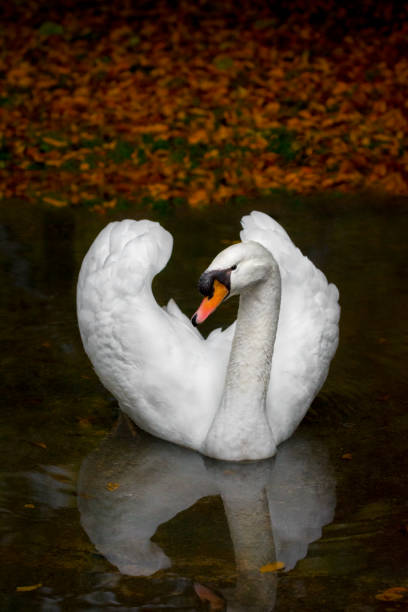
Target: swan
{"points": [[237, 394]]}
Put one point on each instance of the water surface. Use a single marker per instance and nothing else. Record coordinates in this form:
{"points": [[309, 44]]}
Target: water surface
{"points": [[104, 520]]}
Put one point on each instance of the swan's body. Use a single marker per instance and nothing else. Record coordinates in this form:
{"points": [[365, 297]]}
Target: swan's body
{"points": [[237, 394]]}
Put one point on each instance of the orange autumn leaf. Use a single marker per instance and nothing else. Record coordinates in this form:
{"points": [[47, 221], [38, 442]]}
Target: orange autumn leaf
{"points": [[394, 183], [392, 594], [54, 142], [54, 162], [380, 106], [34, 154], [112, 486], [79, 101], [87, 196], [198, 136], [156, 128], [223, 193], [214, 154], [272, 108], [55, 202], [261, 120], [214, 601], [198, 198], [223, 133], [380, 169], [158, 190], [40, 444], [110, 203], [261, 180], [26, 589], [272, 567]]}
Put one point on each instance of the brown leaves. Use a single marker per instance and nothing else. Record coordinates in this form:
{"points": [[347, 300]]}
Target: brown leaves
{"points": [[26, 589], [207, 595], [393, 594], [39, 444], [130, 119], [272, 567], [112, 486], [55, 202]]}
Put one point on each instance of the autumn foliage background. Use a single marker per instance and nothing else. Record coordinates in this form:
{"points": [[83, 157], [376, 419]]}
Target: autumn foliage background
{"points": [[202, 102]]}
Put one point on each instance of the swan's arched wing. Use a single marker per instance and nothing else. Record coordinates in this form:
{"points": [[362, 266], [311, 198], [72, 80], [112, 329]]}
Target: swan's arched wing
{"points": [[151, 358], [119, 265], [307, 334]]}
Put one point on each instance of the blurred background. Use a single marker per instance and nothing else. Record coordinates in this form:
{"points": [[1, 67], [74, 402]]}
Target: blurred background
{"points": [[163, 103]]}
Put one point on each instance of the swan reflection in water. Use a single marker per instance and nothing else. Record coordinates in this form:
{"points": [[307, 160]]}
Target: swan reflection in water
{"points": [[274, 508]]}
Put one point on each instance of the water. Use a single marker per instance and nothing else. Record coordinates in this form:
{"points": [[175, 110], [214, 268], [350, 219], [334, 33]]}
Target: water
{"points": [[94, 521]]}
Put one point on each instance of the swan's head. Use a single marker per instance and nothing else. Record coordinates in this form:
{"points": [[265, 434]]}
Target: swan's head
{"points": [[235, 270]]}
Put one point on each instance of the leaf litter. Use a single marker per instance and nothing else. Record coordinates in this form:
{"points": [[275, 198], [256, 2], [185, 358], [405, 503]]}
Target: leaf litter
{"points": [[201, 104]]}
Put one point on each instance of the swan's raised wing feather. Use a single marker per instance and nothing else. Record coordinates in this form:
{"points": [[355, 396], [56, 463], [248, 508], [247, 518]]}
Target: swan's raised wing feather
{"points": [[120, 263], [307, 335], [151, 358]]}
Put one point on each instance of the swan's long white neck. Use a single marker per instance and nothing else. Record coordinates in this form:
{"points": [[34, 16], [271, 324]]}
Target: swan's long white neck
{"points": [[240, 428]]}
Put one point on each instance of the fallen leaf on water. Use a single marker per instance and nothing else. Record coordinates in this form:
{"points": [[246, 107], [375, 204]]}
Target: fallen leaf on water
{"points": [[205, 594], [31, 587], [55, 202], [84, 422], [112, 486], [272, 567], [392, 594], [39, 444]]}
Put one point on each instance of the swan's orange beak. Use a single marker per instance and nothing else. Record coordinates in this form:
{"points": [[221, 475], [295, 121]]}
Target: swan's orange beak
{"points": [[208, 305]]}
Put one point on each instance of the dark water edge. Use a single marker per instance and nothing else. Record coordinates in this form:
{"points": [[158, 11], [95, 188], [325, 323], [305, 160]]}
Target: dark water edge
{"points": [[335, 497]]}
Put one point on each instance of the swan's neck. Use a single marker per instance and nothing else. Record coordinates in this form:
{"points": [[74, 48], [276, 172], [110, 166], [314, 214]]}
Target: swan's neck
{"points": [[251, 532], [240, 429]]}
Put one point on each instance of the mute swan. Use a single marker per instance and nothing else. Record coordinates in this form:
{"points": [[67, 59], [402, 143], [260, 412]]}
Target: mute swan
{"points": [[237, 394]]}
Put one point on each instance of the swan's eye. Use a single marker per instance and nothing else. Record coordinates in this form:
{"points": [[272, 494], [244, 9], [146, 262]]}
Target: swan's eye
{"points": [[234, 267]]}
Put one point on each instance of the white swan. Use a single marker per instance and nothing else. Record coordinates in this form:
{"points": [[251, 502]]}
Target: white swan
{"points": [[237, 394]]}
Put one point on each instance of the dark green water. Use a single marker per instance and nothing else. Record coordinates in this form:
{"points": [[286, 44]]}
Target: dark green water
{"points": [[119, 523]]}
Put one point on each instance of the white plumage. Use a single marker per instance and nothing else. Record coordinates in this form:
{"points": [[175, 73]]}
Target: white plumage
{"points": [[165, 375]]}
